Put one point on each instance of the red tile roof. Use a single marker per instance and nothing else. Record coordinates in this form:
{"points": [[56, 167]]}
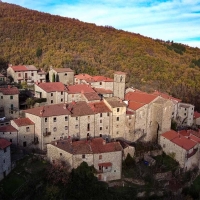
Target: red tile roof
{"points": [[106, 164], [52, 87], [80, 88], [92, 96], [62, 70], [196, 115], [93, 146], [165, 96], [82, 76], [4, 143], [23, 122], [134, 105], [178, 139], [140, 97], [80, 108], [98, 79], [99, 107], [7, 128], [9, 90], [103, 91], [24, 68]]}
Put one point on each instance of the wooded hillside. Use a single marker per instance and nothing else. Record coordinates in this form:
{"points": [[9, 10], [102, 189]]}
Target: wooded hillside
{"points": [[31, 37]]}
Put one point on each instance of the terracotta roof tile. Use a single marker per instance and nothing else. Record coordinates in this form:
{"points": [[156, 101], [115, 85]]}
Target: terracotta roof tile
{"points": [[140, 97], [62, 70], [4, 143], [31, 68], [23, 122], [103, 91], [9, 90], [102, 78], [52, 87], [82, 76], [165, 96], [99, 107], [134, 105], [7, 128], [24, 68], [93, 146], [170, 135], [74, 109], [80, 88], [92, 96]]}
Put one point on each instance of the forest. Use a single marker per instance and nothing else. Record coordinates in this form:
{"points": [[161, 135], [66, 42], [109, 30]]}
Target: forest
{"points": [[44, 40]]}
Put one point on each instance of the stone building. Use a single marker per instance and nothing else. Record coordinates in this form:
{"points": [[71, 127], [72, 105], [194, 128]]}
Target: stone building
{"points": [[197, 118], [9, 102], [184, 149], [5, 158], [9, 133], [81, 78], [63, 75], [2, 78], [185, 114], [106, 157], [119, 84], [152, 114], [117, 122], [54, 92], [102, 119], [81, 92], [24, 73], [26, 131], [53, 122]]}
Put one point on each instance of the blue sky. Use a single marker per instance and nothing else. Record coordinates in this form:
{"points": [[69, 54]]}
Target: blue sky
{"points": [[177, 20]]}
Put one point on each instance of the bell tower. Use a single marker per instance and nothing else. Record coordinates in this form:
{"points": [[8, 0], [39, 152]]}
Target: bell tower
{"points": [[119, 84]]}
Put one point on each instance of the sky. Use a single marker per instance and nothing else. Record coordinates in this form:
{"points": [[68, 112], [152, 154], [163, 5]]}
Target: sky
{"points": [[177, 20]]}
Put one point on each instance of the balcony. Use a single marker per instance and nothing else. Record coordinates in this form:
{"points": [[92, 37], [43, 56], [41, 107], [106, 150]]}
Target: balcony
{"points": [[46, 133]]}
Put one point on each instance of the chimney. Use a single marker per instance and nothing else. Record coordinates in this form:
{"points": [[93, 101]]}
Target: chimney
{"points": [[64, 106], [56, 143], [104, 142], [9, 86]]}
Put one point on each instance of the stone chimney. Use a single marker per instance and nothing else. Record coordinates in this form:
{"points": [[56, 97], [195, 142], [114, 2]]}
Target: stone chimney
{"points": [[104, 142]]}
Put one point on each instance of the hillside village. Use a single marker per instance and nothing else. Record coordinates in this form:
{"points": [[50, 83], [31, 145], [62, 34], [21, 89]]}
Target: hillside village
{"points": [[90, 118]]}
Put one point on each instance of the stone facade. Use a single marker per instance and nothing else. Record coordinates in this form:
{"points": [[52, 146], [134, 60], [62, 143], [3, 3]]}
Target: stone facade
{"points": [[9, 101], [63, 75], [5, 158], [9, 133], [107, 160], [119, 84]]}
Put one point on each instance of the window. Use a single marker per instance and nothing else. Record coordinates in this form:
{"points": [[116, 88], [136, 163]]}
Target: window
{"points": [[51, 101], [5, 150], [106, 127], [129, 116], [76, 126], [108, 114], [54, 119], [101, 121], [184, 113], [66, 118], [76, 118], [32, 74], [100, 128], [11, 97], [66, 127], [1, 97], [61, 100], [117, 118], [54, 129], [45, 119], [88, 127], [60, 154], [100, 157], [10, 133], [83, 156], [51, 94], [117, 109], [101, 114], [65, 74], [10, 140], [100, 83], [27, 129], [117, 132], [4, 161], [19, 75], [61, 93]]}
